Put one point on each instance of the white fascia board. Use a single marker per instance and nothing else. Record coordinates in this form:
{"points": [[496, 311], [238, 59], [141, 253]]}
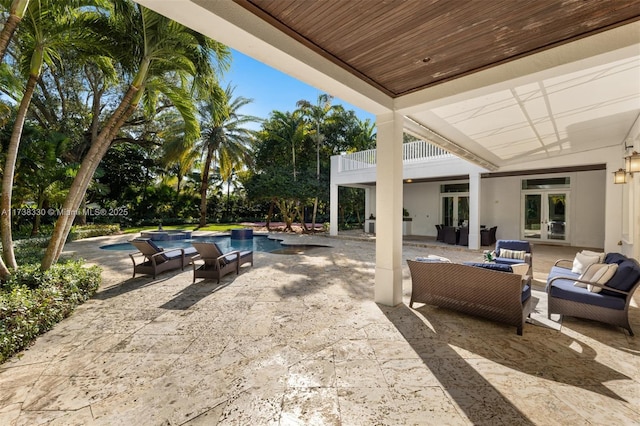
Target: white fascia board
{"points": [[441, 169], [605, 155], [236, 27], [608, 46], [353, 177]]}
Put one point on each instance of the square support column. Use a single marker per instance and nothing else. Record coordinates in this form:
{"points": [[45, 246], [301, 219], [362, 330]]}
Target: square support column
{"points": [[367, 203], [474, 211], [333, 210], [388, 281]]}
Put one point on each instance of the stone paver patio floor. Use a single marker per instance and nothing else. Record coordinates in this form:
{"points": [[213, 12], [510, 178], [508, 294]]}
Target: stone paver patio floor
{"points": [[298, 340]]}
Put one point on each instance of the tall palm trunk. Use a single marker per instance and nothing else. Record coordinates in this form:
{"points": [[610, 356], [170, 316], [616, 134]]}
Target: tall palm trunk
{"points": [[204, 186], [9, 171], [18, 8], [315, 200], [99, 148]]}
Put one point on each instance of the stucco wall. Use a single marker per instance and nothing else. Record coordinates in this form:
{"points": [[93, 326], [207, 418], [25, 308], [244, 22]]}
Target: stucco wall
{"points": [[501, 206], [422, 200]]}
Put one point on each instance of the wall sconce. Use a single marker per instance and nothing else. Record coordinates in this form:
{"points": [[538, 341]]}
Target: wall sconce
{"points": [[632, 163], [631, 166], [620, 176]]}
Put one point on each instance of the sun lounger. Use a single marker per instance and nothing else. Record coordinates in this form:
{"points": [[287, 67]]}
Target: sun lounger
{"points": [[216, 264], [155, 260]]}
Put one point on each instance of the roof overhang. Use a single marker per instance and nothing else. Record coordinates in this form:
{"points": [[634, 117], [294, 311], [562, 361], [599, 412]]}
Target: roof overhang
{"points": [[575, 94]]}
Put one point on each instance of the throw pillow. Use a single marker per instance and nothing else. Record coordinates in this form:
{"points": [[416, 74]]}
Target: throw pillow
{"points": [[432, 258], [602, 277], [581, 262], [588, 274], [512, 254], [594, 253]]}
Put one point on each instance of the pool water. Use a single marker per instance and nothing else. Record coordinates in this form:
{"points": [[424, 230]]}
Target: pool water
{"points": [[226, 244]]}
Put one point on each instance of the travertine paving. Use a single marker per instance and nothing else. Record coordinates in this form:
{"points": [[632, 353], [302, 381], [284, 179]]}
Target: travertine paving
{"points": [[298, 340]]}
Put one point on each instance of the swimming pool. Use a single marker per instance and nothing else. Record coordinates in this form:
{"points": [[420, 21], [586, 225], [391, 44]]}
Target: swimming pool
{"points": [[257, 243]]}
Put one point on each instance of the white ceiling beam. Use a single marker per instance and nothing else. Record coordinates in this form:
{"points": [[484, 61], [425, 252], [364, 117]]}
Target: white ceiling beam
{"points": [[423, 132]]}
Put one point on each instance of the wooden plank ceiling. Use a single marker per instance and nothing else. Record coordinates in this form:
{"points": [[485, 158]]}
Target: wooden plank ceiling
{"points": [[401, 46]]}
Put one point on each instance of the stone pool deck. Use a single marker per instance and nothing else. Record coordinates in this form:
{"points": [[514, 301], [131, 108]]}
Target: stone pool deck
{"points": [[298, 340]]}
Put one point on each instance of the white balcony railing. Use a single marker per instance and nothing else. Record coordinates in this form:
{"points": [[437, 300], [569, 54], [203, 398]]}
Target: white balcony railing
{"points": [[412, 152]]}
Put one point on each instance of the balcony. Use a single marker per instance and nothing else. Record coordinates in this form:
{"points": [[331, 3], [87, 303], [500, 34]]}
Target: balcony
{"points": [[412, 152]]}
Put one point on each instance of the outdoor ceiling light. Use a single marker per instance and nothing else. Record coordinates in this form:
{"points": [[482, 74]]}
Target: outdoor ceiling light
{"points": [[620, 176], [632, 163]]}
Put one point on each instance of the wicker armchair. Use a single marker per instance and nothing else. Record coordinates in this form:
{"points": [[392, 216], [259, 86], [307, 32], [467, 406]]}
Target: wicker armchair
{"points": [[610, 305], [517, 246]]}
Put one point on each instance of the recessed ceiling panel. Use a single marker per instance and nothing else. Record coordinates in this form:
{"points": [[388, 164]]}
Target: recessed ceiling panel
{"points": [[404, 46]]}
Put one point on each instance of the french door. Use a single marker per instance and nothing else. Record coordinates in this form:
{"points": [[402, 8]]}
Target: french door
{"points": [[455, 209], [545, 215]]}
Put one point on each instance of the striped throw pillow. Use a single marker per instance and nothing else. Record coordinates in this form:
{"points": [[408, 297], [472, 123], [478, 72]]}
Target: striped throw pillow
{"points": [[512, 254]]}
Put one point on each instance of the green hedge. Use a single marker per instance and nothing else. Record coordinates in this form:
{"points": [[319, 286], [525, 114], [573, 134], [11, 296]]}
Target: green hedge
{"points": [[87, 231], [32, 301]]}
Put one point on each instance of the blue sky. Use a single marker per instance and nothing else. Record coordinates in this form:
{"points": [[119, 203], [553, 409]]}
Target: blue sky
{"points": [[271, 89]]}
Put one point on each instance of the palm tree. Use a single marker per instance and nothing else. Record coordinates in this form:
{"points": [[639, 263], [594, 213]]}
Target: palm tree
{"points": [[160, 54], [16, 13], [286, 128], [318, 114], [289, 128], [50, 28], [224, 133], [365, 137]]}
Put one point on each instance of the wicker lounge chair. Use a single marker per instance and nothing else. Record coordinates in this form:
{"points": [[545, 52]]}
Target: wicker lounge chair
{"points": [[154, 259], [495, 293], [215, 263]]}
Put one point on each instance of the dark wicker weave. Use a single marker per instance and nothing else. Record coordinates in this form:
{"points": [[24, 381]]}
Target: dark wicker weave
{"points": [[617, 317], [153, 260], [490, 294], [215, 264]]}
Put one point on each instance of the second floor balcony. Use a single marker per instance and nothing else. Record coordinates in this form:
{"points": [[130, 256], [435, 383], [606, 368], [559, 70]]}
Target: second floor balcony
{"points": [[412, 152], [420, 160]]}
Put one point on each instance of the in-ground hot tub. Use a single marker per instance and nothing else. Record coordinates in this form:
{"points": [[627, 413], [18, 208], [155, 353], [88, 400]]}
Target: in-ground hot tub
{"points": [[242, 234], [166, 235]]}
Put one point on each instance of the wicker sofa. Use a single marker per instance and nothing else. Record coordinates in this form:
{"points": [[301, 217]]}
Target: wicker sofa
{"points": [[610, 305], [495, 293]]}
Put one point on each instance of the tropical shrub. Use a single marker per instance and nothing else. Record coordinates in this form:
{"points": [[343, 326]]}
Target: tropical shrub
{"points": [[87, 231], [33, 301]]}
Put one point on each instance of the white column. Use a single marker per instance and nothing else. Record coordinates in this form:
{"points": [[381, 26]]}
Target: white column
{"points": [[474, 211], [367, 203], [333, 196], [388, 284], [634, 195], [613, 215], [333, 209]]}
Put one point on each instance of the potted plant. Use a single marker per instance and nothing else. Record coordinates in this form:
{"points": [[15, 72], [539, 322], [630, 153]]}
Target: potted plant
{"points": [[405, 215]]}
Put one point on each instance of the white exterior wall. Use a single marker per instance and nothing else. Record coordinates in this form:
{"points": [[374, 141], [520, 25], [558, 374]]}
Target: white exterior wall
{"points": [[587, 215], [501, 205], [422, 200], [596, 204]]}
